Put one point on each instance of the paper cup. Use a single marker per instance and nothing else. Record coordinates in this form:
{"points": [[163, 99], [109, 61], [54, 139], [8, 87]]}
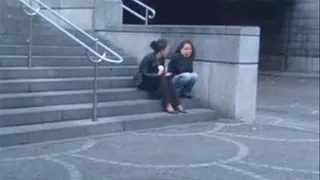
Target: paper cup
{"points": [[160, 68]]}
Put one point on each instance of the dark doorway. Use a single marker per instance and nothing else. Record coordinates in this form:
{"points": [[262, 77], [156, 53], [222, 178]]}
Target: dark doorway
{"points": [[208, 12]]}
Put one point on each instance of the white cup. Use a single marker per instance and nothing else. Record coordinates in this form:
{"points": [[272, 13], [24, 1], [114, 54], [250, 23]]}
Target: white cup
{"points": [[160, 69]]}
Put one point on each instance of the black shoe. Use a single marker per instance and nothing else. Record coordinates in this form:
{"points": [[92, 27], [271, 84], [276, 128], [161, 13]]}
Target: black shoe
{"points": [[186, 96], [182, 111], [172, 112]]}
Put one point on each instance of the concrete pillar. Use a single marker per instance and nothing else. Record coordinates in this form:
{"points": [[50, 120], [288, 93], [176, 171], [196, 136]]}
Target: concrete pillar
{"points": [[232, 85], [107, 13]]}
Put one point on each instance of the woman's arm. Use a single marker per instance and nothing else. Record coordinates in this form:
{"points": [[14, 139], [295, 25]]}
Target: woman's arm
{"points": [[144, 67], [172, 66], [191, 65]]}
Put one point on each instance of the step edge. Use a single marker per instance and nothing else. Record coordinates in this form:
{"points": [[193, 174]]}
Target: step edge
{"points": [[72, 92], [88, 122], [38, 80], [65, 68], [65, 107]]}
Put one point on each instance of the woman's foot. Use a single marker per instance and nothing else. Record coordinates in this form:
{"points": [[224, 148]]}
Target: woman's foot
{"points": [[181, 109], [170, 109]]}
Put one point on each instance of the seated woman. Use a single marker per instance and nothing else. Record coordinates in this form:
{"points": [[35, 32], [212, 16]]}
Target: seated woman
{"points": [[181, 66], [155, 78]]}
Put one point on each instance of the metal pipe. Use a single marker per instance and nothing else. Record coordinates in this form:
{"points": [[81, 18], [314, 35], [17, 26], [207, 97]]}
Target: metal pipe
{"points": [[95, 87], [153, 12], [30, 42], [95, 95], [147, 15], [147, 10]]}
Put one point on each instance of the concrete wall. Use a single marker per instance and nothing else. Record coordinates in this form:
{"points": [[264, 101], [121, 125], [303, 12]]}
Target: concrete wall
{"points": [[295, 45], [227, 59], [88, 14], [79, 12], [304, 36]]}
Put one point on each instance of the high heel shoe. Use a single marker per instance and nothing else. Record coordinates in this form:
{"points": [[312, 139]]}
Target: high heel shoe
{"points": [[181, 110], [172, 111]]}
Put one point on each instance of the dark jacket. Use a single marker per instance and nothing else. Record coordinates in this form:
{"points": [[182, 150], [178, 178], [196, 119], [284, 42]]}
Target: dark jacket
{"points": [[180, 64], [147, 76]]}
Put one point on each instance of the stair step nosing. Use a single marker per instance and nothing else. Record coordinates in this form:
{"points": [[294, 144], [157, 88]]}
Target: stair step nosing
{"points": [[54, 57], [63, 79], [73, 107], [56, 93], [46, 46], [65, 68], [88, 122]]}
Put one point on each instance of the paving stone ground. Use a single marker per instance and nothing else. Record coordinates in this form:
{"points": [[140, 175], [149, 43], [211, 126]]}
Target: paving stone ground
{"points": [[282, 145]]}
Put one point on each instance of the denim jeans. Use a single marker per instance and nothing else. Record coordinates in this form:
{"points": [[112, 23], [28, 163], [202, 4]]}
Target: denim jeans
{"points": [[184, 82]]}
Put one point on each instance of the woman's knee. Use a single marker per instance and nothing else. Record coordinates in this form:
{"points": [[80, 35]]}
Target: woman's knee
{"points": [[194, 76]]}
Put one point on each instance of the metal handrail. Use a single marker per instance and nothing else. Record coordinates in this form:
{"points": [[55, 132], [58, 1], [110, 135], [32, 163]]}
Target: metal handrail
{"points": [[96, 40], [36, 11], [147, 9]]}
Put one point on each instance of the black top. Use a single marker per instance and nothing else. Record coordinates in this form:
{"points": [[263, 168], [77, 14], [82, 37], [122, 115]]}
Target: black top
{"points": [[180, 64], [149, 65]]}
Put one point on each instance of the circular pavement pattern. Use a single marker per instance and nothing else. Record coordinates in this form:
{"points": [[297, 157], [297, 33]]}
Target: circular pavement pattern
{"points": [[194, 151]]}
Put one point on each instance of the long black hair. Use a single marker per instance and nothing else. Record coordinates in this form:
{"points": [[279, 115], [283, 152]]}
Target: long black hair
{"points": [[181, 45], [159, 45]]}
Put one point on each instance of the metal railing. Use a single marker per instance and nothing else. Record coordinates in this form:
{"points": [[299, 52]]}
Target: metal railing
{"points": [[147, 8], [30, 4]]}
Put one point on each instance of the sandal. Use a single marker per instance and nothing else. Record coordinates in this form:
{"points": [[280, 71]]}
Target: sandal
{"points": [[172, 110], [181, 110]]}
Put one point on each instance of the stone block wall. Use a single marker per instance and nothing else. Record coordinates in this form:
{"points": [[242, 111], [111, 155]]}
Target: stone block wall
{"points": [[290, 41], [303, 44], [79, 12]]}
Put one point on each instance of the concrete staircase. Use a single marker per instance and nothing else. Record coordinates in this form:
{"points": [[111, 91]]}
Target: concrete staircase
{"points": [[53, 99]]}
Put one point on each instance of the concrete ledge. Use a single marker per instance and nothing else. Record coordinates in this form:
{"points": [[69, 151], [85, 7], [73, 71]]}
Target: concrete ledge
{"points": [[76, 4], [214, 43], [295, 63], [227, 61], [175, 29], [291, 74]]}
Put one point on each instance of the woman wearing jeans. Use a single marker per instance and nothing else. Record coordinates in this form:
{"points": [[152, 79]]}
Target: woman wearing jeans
{"points": [[181, 66], [155, 78]]}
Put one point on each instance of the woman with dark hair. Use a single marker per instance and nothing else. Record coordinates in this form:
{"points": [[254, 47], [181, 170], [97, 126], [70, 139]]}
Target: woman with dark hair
{"points": [[156, 79], [181, 66]]}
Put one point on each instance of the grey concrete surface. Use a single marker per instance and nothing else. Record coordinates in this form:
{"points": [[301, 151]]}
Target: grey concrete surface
{"points": [[283, 144]]}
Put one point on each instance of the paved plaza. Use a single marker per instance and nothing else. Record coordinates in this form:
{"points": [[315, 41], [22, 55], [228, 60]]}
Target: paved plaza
{"points": [[283, 144]]}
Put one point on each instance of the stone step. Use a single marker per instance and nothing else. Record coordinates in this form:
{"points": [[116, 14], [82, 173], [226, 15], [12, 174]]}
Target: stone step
{"points": [[24, 100], [65, 72], [18, 25], [40, 85], [37, 40], [11, 136], [49, 50], [59, 61], [69, 112], [22, 27]]}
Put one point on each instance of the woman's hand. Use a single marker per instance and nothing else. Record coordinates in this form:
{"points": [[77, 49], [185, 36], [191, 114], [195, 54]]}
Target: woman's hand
{"points": [[160, 73], [168, 74]]}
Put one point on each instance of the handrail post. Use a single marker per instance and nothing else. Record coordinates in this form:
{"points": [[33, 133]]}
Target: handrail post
{"points": [[30, 42], [147, 16], [95, 88]]}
